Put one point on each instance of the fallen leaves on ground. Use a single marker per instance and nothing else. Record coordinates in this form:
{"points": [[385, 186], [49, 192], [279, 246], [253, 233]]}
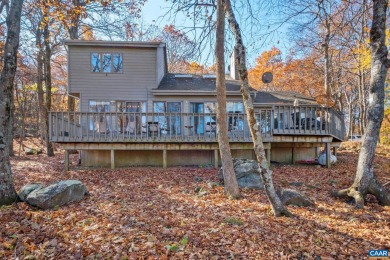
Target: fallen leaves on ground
{"points": [[156, 213]]}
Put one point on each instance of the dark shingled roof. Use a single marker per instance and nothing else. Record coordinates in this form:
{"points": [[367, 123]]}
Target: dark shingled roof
{"points": [[281, 97], [198, 83]]}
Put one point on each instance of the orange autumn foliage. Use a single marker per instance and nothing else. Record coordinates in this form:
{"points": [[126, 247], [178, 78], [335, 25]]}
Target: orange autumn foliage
{"points": [[267, 61], [293, 75]]}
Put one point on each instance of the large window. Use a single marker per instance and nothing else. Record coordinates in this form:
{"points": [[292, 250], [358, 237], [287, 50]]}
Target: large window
{"points": [[170, 121], [106, 62], [204, 118], [131, 119], [117, 63], [117, 116], [100, 122], [95, 62], [234, 112]]}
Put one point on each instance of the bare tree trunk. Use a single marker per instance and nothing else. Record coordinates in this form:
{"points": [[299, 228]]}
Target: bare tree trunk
{"points": [[361, 103], [10, 134], [40, 90], [21, 100], [327, 81], [363, 38], [361, 73], [7, 189], [74, 35], [229, 176], [75, 23], [46, 33], [265, 173], [23, 115], [365, 179], [350, 117]]}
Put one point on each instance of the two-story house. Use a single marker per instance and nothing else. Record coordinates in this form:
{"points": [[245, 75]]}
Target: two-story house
{"points": [[131, 111]]}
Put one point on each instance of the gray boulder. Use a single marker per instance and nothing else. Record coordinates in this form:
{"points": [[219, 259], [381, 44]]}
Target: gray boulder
{"points": [[247, 174], [293, 197], [27, 189], [57, 194], [32, 151]]}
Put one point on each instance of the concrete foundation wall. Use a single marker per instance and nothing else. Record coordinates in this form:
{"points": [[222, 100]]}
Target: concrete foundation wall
{"points": [[288, 154], [281, 155], [184, 158], [244, 154], [95, 158], [305, 153], [138, 158], [102, 158]]}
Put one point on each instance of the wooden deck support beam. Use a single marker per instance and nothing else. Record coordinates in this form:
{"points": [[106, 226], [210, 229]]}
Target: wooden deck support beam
{"points": [[216, 162], [66, 161], [317, 151], [294, 155], [165, 158], [268, 151], [112, 159], [327, 149]]}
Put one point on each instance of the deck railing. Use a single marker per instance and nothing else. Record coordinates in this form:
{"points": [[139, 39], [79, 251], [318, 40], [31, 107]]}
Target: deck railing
{"points": [[308, 120], [190, 127]]}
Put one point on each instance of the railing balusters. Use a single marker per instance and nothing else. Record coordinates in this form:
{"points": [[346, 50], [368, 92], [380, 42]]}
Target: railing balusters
{"points": [[179, 126]]}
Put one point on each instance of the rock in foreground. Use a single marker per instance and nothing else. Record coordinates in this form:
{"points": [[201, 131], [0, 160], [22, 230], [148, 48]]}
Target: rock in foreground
{"points": [[27, 189], [247, 174], [293, 197], [32, 151], [57, 194]]}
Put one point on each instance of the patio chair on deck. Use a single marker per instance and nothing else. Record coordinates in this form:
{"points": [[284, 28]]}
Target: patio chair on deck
{"points": [[101, 125], [211, 128], [131, 126], [153, 128]]}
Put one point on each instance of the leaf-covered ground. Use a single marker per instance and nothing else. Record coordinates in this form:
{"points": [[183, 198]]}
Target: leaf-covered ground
{"points": [[156, 213]]}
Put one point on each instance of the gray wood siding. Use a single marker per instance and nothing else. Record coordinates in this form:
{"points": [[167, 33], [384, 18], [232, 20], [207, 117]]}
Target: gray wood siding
{"points": [[160, 64], [139, 75]]}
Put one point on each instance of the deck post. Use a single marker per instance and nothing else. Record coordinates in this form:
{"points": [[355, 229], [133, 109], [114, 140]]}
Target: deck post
{"points": [[66, 162], [327, 148], [294, 155], [334, 150], [317, 151], [112, 159], [268, 151], [165, 158], [216, 163]]}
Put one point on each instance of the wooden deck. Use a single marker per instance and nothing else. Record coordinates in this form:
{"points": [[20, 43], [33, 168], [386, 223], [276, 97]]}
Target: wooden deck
{"points": [[131, 127]]}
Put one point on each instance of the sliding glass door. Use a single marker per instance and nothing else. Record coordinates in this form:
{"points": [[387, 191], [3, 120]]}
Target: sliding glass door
{"points": [[197, 120], [203, 118], [168, 116]]}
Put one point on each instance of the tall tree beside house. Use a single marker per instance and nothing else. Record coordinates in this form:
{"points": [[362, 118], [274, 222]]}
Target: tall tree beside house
{"points": [[40, 21], [7, 189], [265, 173], [48, 82], [181, 49], [365, 179], [385, 130], [229, 176]]}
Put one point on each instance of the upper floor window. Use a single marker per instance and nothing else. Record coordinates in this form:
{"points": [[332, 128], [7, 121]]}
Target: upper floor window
{"points": [[106, 62]]}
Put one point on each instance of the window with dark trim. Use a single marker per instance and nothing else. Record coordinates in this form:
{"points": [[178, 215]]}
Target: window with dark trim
{"points": [[95, 62], [106, 62]]}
